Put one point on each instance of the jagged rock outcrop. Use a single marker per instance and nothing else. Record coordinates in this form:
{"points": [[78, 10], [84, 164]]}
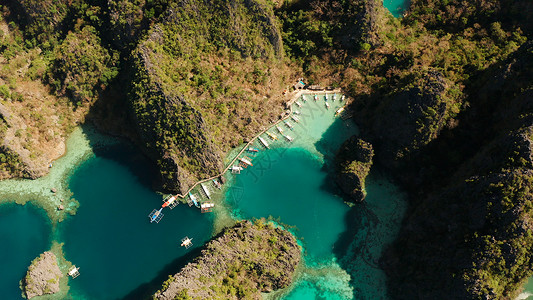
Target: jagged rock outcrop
{"points": [[43, 276], [196, 91], [471, 238], [241, 263], [411, 118], [354, 161]]}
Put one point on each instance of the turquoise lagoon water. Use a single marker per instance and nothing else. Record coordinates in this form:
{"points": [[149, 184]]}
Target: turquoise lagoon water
{"points": [[121, 254], [24, 234], [293, 183], [396, 7]]}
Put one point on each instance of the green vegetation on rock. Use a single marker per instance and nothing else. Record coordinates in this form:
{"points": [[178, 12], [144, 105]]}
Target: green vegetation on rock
{"points": [[242, 262]]}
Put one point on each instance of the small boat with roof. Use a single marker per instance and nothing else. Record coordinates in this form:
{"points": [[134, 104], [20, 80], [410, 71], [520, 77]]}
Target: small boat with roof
{"points": [[236, 169], [289, 138], [264, 142], [289, 125], [327, 105], [156, 215], [315, 97], [217, 184], [193, 199], [298, 103], [295, 118], [186, 242], [326, 97], [272, 136], [245, 160], [339, 111], [170, 202], [74, 272], [207, 207], [252, 149], [280, 130]]}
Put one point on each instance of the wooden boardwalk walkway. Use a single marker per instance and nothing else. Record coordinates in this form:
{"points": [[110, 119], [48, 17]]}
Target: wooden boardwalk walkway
{"points": [[230, 164]]}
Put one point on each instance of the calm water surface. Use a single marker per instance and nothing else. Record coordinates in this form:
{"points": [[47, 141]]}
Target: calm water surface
{"points": [[24, 234]]}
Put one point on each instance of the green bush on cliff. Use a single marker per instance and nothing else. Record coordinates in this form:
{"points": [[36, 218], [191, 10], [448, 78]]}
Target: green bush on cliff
{"points": [[82, 66]]}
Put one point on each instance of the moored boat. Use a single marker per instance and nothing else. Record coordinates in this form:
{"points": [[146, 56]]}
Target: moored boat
{"points": [[252, 149], [280, 130], [272, 136], [327, 105], [264, 142], [289, 138], [245, 160], [295, 118], [298, 103], [289, 125]]}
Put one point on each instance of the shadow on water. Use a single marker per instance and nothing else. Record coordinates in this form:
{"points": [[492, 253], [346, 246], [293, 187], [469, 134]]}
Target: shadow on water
{"points": [[146, 290], [124, 153]]}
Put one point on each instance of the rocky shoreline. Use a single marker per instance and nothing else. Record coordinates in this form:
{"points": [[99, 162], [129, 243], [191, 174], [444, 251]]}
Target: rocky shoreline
{"points": [[43, 276], [241, 263]]}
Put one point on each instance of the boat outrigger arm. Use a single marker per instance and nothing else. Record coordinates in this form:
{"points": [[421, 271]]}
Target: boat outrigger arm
{"points": [[156, 215]]}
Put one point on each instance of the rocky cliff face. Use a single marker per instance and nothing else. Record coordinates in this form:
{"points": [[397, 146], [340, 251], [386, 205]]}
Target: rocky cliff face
{"points": [[410, 118], [354, 161], [471, 238], [43, 276], [204, 83], [241, 263]]}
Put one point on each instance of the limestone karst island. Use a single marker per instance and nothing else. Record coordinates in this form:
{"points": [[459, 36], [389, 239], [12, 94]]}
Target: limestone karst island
{"points": [[266, 149]]}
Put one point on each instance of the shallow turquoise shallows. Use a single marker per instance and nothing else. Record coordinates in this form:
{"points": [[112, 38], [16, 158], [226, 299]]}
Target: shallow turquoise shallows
{"points": [[294, 183], [396, 7], [24, 234], [119, 252]]}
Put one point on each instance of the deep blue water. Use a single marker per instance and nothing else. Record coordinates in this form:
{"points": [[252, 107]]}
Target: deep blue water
{"points": [[24, 234]]}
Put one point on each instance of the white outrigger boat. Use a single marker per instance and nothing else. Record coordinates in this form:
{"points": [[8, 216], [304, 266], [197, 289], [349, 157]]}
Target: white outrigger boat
{"points": [[280, 130], [186, 242], [264, 142], [340, 110], [297, 112], [245, 160], [272, 136], [289, 125], [315, 97], [295, 118], [290, 139], [327, 105], [298, 103], [334, 97]]}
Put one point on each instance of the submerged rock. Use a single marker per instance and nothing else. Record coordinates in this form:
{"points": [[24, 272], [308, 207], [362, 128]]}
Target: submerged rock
{"points": [[43, 276], [242, 262], [354, 163]]}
